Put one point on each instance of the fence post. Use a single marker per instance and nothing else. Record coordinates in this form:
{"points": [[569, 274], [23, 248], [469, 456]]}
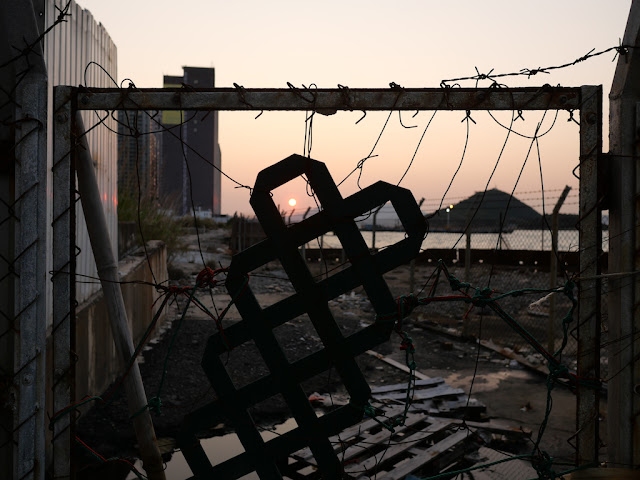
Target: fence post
{"points": [[243, 233], [589, 314], [553, 270], [24, 100], [373, 228], [624, 402], [467, 278], [412, 263], [108, 272], [303, 249]]}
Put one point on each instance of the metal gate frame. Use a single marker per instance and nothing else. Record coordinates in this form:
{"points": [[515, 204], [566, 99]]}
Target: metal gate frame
{"points": [[586, 99]]}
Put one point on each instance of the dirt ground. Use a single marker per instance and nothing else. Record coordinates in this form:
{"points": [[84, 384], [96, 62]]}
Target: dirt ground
{"points": [[512, 394]]}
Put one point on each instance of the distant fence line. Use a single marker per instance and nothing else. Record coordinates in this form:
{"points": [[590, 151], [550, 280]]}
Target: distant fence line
{"points": [[246, 231]]}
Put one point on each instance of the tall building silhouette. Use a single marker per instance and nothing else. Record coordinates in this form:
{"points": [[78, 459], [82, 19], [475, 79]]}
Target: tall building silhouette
{"points": [[189, 168]]}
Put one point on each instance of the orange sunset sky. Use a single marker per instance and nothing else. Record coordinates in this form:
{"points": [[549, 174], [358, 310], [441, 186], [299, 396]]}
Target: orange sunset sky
{"points": [[370, 44]]}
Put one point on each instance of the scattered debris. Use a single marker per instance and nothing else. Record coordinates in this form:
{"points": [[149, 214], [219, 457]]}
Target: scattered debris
{"points": [[527, 407], [423, 445], [398, 365]]}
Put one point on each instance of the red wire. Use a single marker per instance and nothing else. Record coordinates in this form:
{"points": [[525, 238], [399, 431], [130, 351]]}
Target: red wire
{"points": [[106, 460]]}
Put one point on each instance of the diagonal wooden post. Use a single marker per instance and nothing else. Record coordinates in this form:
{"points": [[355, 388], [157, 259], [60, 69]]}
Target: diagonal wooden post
{"points": [[108, 273]]}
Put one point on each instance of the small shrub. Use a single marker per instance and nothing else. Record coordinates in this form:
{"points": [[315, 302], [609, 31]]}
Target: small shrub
{"points": [[155, 223]]}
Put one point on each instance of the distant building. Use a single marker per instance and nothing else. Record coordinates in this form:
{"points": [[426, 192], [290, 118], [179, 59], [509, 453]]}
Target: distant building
{"points": [[139, 143], [189, 168]]}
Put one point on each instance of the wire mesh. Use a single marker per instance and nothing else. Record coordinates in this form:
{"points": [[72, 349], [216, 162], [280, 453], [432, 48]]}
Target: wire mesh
{"points": [[500, 277]]}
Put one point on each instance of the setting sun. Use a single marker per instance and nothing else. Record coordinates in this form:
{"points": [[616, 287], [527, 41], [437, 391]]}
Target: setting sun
{"points": [[292, 202]]}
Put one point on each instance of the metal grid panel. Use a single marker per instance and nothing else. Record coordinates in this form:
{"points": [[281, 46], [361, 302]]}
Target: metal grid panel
{"points": [[312, 298]]}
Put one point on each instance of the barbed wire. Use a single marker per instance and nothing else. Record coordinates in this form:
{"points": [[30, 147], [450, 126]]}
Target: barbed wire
{"points": [[620, 49]]}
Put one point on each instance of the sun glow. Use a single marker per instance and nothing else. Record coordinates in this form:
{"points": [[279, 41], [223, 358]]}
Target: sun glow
{"points": [[292, 202]]}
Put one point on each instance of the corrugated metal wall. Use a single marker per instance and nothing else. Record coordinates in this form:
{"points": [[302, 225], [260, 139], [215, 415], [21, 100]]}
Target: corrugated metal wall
{"points": [[69, 50]]}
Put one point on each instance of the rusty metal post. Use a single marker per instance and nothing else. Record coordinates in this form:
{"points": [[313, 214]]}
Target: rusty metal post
{"points": [[553, 270], [624, 212], [589, 314], [108, 272]]}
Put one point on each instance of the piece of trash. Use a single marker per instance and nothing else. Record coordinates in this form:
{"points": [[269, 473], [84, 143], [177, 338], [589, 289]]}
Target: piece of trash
{"points": [[526, 408], [538, 302], [316, 399]]}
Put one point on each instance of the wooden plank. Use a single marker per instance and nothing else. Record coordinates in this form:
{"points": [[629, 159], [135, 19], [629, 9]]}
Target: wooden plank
{"points": [[398, 365], [505, 430], [403, 386], [383, 435], [368, 442], [429, 455], [396, 450], [354, 431], [367, 424], [439, 391]]}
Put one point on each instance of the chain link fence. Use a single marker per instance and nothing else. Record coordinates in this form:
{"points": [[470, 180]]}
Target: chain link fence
{"points": [[522, 257]]}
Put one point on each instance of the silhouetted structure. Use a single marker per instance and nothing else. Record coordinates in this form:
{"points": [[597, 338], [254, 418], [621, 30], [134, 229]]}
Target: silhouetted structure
{"points": [[189, 169]]}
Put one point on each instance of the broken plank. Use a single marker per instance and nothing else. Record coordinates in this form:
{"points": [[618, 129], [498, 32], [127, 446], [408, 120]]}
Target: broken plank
{"points": [[398, 365], [348, 433], [392, 453], [403, 386], [439, 391], [369, 442], [429, 455], [505, 430]]}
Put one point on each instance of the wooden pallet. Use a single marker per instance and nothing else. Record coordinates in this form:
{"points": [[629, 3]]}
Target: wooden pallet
{"points": [[425, 444], [369, 449]]}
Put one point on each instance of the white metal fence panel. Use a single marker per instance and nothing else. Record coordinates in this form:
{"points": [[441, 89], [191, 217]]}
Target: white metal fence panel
{"points": [[70, 50]]}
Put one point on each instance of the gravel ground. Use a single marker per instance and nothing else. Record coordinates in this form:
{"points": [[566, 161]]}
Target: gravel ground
{"points": [[514, 395]]}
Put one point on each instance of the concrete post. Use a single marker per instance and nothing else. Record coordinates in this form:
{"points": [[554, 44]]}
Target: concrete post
{"points": [[28, 82], [624, 215]]}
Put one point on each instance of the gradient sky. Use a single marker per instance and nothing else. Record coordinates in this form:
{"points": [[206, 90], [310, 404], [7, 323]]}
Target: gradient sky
{"points": [[369, 44]]}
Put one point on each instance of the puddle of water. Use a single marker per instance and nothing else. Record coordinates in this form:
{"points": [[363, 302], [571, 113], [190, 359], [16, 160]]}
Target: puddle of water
{"points": [[485, 382], [218, 449]]}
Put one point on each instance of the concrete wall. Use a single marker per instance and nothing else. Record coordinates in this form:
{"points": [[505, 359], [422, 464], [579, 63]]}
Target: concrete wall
{"points": [[98, 363]]}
